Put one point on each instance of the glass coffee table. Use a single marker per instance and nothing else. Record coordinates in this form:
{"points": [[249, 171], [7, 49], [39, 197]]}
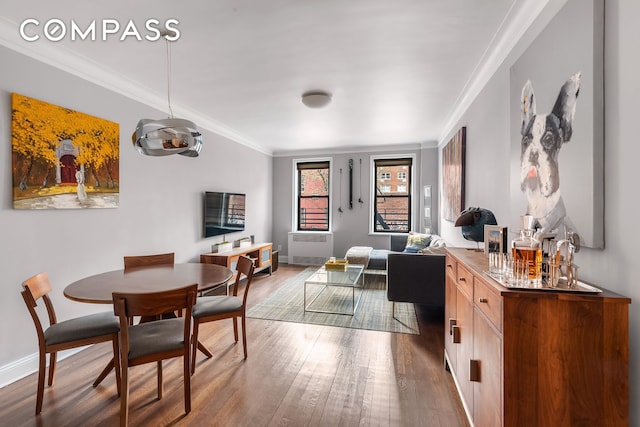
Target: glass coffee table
{"points": [[334, 291]]}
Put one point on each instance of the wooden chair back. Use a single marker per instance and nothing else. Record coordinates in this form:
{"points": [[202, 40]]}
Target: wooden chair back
{"points": [[152, 305], [244, 267], [148, 260], [35, 288]]}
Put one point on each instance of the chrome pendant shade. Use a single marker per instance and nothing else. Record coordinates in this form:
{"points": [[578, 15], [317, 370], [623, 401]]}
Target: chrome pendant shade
{"points": [[164, 137]]}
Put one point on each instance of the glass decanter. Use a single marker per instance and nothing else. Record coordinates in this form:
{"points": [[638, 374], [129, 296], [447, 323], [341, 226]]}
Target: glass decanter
{"points": [[528, 249]]}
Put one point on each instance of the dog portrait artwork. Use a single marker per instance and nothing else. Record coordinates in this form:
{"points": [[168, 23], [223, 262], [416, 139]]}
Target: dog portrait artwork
{"points": [[542, 138]]}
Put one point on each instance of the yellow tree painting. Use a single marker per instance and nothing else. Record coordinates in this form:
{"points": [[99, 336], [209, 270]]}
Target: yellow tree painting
{"points": [[62, 159]]}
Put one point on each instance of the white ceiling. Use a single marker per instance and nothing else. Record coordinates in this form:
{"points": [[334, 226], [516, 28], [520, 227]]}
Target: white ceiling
{"points": [[400, 71]]}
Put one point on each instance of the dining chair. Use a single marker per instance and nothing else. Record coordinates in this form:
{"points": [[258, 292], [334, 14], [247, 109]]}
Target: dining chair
{"points": [[135, 261], [58, 336], [147, 260], [154, 341], [218, 307]]}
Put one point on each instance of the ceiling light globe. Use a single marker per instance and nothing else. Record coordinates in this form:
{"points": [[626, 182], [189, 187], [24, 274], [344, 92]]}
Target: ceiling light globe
{"points": [[316, 99]]}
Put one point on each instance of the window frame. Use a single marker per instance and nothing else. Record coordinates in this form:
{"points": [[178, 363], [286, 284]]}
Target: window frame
{"points": [[411, 189], [295, 220]]}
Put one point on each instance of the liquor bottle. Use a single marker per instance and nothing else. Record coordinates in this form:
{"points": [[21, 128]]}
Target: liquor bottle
{"points": [[529, 249]]}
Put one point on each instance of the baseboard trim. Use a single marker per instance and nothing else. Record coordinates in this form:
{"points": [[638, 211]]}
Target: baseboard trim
{"points": [[28, 365]]}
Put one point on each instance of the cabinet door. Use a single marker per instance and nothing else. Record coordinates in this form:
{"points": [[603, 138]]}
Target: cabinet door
{"points": [[464, 319], [450, 310], [487, 394], [264, 259]]}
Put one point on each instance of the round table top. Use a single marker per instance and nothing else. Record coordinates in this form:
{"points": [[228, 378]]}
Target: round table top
{"points": [[98, 288]]}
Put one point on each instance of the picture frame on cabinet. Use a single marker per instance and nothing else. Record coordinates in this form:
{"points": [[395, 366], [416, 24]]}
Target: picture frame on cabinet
{"points": [[495, 239]]}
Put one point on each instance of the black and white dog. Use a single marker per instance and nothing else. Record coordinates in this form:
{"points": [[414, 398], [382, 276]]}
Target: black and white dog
{"points": [[542, 138]]}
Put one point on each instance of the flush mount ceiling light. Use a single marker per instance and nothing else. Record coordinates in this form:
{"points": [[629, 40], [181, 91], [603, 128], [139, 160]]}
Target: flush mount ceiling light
{"points": [[164, 137], [316, 98]]}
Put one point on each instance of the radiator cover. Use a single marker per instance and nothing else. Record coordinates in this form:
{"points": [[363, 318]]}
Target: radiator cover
{"points": [[309, 248]]}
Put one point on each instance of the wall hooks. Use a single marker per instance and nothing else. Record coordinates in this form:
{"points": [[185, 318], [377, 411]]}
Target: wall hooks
{"points": [[340, 207], [350, 183], [360, 198]]}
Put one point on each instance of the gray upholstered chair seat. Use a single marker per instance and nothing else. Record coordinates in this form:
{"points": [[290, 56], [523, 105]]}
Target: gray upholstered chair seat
{"points": [[210, 306], [156, 337], [93, 325]]}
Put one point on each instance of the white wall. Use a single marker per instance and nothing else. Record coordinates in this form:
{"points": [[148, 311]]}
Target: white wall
{"points": [[160, 205], [487, 183], [351, 227]]}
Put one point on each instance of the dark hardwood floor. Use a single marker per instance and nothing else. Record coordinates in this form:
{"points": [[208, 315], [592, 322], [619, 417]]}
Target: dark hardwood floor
{"points": [[295, 375]]}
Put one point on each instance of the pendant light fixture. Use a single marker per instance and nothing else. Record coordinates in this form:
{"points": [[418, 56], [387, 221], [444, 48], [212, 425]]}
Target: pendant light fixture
{"points": [[164, 137]]}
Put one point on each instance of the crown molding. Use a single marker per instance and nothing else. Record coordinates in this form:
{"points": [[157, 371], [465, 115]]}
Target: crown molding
{"points": [[516, 22], [348, 150], [429, 144], [518, 19], [82, 67]]}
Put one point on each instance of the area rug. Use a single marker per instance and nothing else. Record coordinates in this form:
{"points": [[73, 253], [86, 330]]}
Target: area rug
{"points": [[374, 311]]}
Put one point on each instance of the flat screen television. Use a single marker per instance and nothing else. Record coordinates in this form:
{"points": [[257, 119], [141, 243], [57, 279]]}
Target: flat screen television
{"points": [[223, 213]]}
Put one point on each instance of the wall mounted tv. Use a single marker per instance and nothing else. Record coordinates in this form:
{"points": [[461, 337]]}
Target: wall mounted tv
{"points": [[223, 213]]}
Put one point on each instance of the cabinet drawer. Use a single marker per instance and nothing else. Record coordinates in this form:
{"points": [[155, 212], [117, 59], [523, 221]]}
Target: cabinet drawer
{"points": [[464, 280], [488, 302], [450, 267]]}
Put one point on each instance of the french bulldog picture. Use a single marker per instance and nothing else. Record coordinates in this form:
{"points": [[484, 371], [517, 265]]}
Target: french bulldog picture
{"points": [[543, 135]]}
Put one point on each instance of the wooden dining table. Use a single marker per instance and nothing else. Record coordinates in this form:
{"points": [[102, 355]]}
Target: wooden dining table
{"points": [[98, 289]]}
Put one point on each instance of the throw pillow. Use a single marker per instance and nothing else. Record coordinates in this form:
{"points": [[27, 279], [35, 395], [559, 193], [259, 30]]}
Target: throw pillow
{"points": [[433, 251], [416, 242]]}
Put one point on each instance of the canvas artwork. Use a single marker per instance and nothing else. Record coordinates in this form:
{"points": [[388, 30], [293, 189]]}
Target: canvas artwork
{"points": [[62, 159], [453, 158], [556, 96]]}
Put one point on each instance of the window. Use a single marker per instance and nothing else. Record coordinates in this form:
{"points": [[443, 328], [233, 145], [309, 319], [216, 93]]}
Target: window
{"points": [[392, 209], [312, 191]]}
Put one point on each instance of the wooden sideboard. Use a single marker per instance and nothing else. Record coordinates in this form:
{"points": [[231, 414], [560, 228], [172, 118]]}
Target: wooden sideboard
{"points": [[534, 358], [260, 253]]}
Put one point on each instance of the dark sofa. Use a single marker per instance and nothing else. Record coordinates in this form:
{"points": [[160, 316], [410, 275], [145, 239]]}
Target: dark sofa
{"points": [[416, 277]]}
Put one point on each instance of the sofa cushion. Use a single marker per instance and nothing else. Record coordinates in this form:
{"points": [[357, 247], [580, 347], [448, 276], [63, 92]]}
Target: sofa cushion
{"points": [[416, 242], [437, 242], [378, 259], [434, 250]]}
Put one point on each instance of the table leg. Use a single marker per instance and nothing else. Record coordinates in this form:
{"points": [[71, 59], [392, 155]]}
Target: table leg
{"points": [[104, 373], [204, 349]]}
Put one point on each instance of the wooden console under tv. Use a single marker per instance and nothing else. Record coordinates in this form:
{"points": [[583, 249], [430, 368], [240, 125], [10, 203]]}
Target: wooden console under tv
{"points": [[534, 358], [260, 253]]}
